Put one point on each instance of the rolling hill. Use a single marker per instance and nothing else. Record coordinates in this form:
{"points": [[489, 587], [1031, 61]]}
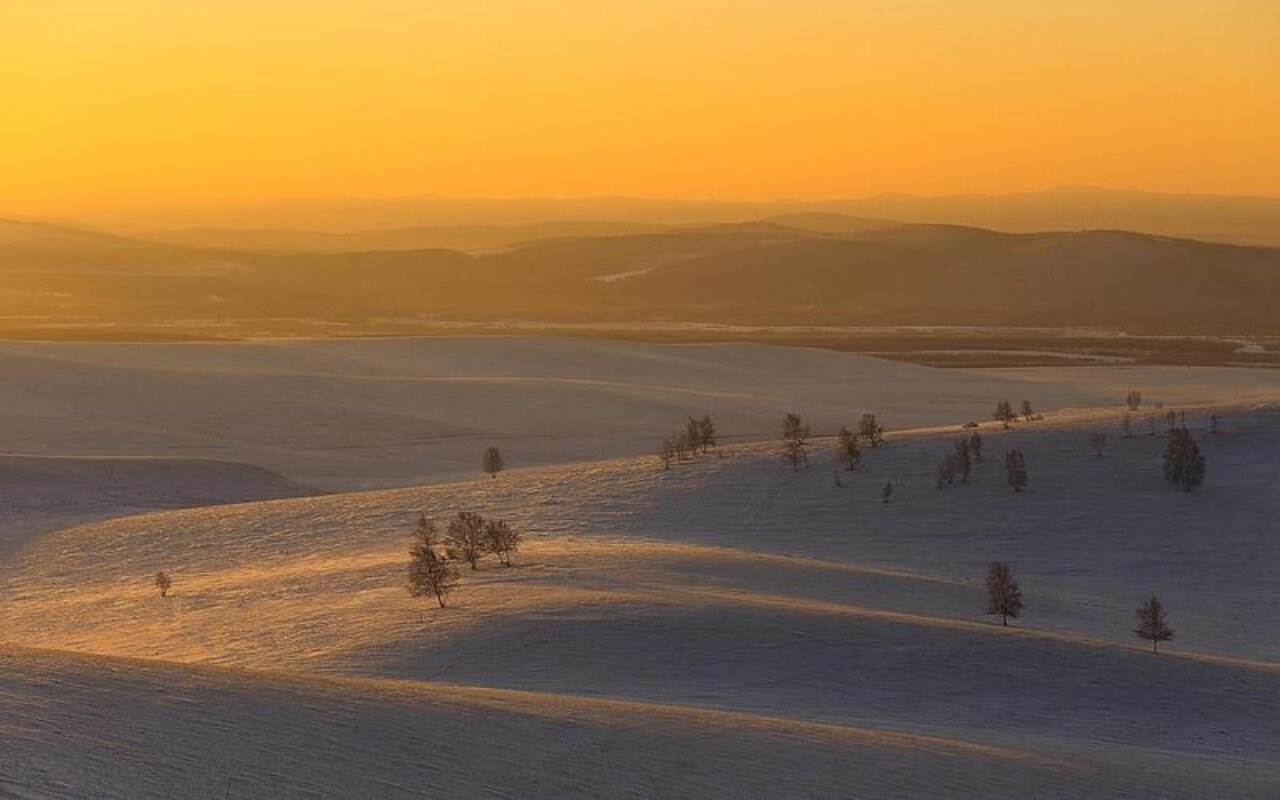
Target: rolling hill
{"points": [[815, 270]]}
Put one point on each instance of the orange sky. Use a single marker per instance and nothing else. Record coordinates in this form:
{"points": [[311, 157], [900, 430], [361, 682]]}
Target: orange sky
{"points": [[119, 103]]}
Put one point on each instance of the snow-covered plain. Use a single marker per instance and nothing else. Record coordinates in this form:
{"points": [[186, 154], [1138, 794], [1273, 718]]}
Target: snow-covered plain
{"points": [[726, 628]]}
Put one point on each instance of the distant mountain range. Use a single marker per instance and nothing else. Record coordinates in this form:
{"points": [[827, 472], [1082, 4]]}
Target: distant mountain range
{"points": [[802, 268], [471, 223]]}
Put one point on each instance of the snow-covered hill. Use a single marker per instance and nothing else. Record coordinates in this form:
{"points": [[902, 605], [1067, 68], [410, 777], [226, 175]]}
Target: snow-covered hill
{"points": [[726, 628]]}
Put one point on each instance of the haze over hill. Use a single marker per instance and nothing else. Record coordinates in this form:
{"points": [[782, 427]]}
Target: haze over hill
{"points": [[799, 269], [1227, 218]]}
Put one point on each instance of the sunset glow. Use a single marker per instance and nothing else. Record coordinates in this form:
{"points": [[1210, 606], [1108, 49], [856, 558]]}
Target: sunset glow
{"points": [[148, 102]]}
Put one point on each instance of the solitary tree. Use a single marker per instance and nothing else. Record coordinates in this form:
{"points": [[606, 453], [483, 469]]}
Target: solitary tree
{"points": [[163, 583], [1004, 413], [706, 432], [1015, 465], [1153, 624], [869, 428], [1098, 442], [847, 451], [795, 441], [1133, 399], [1004, 596], [493, 463], [1027, 412], [1184, 464], [466, 537], [502, 540], [429, 573], [975, 446]]}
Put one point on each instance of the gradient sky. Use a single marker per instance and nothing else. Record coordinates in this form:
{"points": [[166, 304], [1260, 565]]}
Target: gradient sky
{"points": [[140, 102]]}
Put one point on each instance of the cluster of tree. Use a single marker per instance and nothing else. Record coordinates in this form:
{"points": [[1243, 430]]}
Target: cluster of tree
{"points": [[1184, 464], [1004, 598], [468, 537], [1006, 416], [697, 436]]}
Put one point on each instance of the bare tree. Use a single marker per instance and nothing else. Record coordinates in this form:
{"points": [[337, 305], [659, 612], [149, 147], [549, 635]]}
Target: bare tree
{"points": [[693, 435], [847, 451], [429, 573], [707, 432], [1153, 623], [1098, 442], [493, 463], [667, 452], [1133, 399], [681, 441], [975, 446], [163, 583], [964, 459], [1004, 413], [1027, 412], [466, 537], [502, 540], [869, 428], [946, 471], [1004, 595], [1184, 464], [795, 441], [1015, 466]]}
